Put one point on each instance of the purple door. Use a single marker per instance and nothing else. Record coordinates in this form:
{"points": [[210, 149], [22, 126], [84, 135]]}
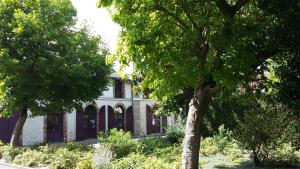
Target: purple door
{"points": [[129, 119], [102, 119], [7, 126], [153, 122], [55, 128], [90, 116], [79, 125]]}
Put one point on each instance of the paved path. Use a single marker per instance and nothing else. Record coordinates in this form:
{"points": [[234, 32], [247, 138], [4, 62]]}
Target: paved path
{"points": [[10, 166]]}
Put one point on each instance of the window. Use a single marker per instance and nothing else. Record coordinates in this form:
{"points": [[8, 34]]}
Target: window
{"points": [[119, 91], [118, 117]]}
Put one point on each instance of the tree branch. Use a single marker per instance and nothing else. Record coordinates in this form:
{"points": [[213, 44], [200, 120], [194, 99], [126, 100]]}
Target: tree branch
{"points": [[229, 10], [174, 16], [185, 7]]}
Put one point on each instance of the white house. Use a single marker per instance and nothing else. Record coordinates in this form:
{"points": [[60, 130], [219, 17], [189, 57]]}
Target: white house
{"points": [[118, 108]]}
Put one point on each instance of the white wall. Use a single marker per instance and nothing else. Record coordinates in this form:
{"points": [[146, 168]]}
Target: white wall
{"points": [[109, 92], [33, 131], [127, 90], [71, 125]]}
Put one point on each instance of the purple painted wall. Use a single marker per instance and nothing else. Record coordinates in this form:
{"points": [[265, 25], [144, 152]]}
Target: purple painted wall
{"points": [[7, 126]]}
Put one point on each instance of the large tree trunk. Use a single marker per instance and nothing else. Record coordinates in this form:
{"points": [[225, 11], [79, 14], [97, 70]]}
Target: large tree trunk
{"points": [[15, 138], [191, 144]]}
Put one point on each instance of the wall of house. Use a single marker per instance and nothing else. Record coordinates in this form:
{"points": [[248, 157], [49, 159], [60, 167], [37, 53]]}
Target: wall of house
{"points": [[127, 90], [109, 93], [33, 131]]}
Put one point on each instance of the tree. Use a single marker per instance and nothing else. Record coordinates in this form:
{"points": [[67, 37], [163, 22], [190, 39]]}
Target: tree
{"points": [[46, 64], [205, 45]]}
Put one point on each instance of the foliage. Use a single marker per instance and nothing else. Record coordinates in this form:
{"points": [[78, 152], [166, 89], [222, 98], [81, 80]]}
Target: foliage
{"points": [[148, 146], [119, 141], [180, 44], [102, 156], [139, 161], [8, 153], [37, 158], [223, 143], [175, 134], [46, 64], [263, 131], [69, 156]]}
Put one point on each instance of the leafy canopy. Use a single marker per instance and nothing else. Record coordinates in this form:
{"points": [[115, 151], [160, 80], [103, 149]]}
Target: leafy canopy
{"points": [[179, 44], [46, 64]]}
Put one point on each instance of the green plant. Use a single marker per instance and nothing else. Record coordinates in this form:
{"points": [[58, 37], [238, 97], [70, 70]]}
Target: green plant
{"points": [[32, 158], [263, 133], [175, 134], [120, 142], [139, 161], [208, 147]]}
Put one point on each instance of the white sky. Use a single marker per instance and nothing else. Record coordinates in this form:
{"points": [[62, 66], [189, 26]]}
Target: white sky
{"points": [[99, 21]]}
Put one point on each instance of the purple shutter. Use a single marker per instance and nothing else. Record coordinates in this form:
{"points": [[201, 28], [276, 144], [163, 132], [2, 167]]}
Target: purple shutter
{"points": [[129, 120], [79, 126], [102, 119]]}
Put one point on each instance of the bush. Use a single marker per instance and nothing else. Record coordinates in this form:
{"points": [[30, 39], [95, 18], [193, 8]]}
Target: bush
{"points": [[63, 158], [120, 142], [175, 134], [32, 158], [149, 145], [9, 153], [102, 156], [139, 161], [262, 132], [223, 143]]}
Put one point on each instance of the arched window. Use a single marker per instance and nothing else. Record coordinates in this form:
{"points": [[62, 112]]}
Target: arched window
{"points": [[90, 114], [119, 117]]}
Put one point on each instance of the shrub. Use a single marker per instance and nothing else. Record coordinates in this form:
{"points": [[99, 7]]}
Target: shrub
{"points": [[102, 156], [32, 158], [175, 134], [120, 142], [262, 133], [208, 147], [139, 161], [149, 145], [8, 153]]}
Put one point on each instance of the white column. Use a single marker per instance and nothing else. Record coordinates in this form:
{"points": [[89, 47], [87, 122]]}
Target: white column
{"points": [[106, 120], [160, 124]]}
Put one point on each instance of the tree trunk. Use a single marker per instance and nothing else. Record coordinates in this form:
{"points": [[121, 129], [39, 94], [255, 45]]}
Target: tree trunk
{"points": [[15, 138], [191, 144]]}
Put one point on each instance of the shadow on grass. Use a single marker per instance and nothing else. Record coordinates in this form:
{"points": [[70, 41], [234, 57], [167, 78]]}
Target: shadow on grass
{"points": [[249, 165]]}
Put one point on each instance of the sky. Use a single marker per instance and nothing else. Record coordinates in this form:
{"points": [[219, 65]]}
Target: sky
{"points": [[99, 21]]}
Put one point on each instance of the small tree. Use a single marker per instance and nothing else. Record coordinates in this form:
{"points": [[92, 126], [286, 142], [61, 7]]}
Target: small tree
{"points": [[46, 65]]}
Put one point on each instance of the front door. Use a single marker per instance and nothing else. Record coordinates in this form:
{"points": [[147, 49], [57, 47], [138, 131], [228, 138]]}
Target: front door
{"points": [[55, 128]]}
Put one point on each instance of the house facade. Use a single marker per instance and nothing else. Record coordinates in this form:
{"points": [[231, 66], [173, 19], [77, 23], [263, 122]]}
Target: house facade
{"points": [[118, 108]]}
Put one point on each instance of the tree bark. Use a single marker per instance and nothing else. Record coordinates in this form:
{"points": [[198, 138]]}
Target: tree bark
{"points": [[15, 138], [191, 144]]}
